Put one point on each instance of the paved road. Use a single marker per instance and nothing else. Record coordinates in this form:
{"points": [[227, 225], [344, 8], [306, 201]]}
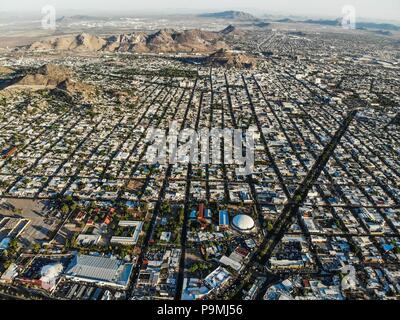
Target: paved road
{"points": [[290, 210]]}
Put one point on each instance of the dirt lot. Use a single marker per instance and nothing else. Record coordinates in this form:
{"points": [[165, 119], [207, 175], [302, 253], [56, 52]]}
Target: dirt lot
{"points": [[40, 227]]}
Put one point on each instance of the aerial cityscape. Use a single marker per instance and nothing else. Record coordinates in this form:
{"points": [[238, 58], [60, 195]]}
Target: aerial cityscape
{"points": [[207, 155]]}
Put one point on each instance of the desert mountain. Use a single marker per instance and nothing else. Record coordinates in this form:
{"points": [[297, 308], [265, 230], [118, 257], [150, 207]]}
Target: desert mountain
{"points": [[231, 15], [165, 40], [56, 78], [77, 88], [48, 75], [228, 59], [231, 31], [188, 40], [82, 42], [5, 70]]}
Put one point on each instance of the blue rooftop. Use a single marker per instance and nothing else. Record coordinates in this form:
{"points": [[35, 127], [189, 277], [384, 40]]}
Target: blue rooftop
{"points": [[193, 214], [223, 218]]}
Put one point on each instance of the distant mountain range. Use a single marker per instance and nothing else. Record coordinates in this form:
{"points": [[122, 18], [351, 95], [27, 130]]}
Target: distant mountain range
{"points": [[324, 22], [165, 40], [380, 26], [338, 22], [79, 17], [231, 15]]}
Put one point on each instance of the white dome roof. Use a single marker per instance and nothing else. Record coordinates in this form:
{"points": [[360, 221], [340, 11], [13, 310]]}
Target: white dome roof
{"points": [[51, 270], [243, 222]]}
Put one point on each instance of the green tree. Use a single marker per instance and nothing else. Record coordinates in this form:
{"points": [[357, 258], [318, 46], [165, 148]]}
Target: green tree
{"points": [[36, 247], [65, 208]]}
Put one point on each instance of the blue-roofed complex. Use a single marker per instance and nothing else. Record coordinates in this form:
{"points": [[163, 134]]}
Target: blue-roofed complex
{"points": [[223, 218]]}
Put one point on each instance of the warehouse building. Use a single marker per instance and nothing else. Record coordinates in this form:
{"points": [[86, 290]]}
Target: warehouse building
{"points": [[102, 271]]}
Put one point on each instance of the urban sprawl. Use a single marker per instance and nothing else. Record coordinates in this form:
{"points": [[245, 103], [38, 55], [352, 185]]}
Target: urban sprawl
{"points": [[84, 216]]}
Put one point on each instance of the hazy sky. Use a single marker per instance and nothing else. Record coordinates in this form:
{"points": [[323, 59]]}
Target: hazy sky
{"points": [[382, 9]]}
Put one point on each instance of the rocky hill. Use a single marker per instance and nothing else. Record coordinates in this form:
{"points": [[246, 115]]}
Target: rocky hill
{"points": [[48, 75], [82, 42], [231, 30], [55, 78], [189, 40], [228, 59], [165, 40], [5, 71]]}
